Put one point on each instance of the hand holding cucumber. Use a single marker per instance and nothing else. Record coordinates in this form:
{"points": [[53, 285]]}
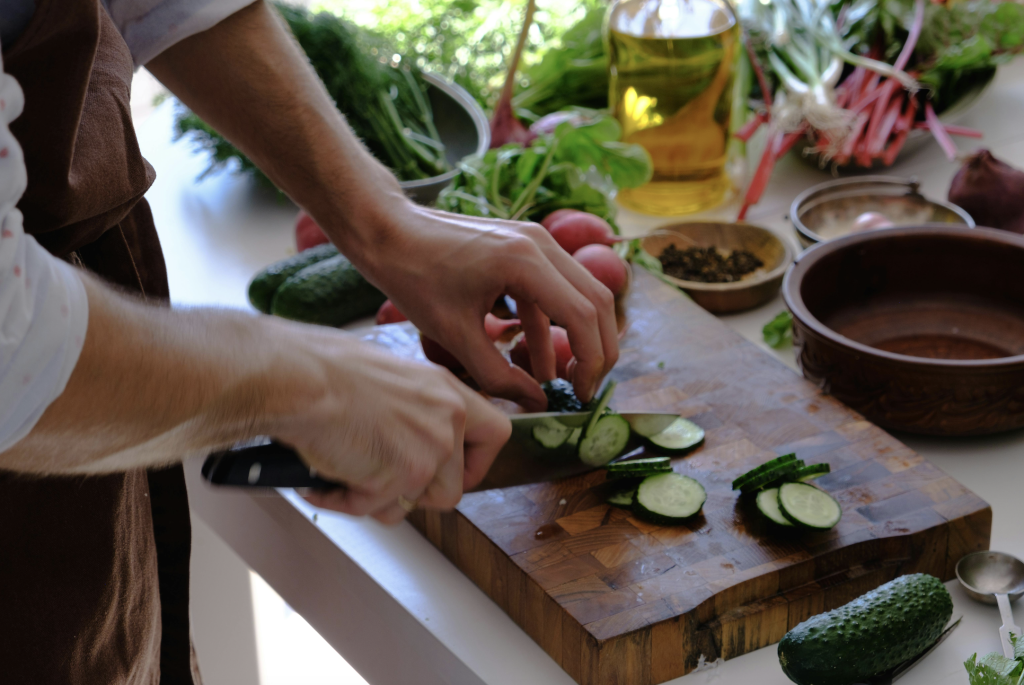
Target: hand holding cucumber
{"points": [[445, 271], [384, 426]]}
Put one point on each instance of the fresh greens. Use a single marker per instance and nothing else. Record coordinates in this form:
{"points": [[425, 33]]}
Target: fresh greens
{"points": [[994, 669], [580, 165], [574, 73], [961, 43], [383, 99], [467, 41], [779, 330]]}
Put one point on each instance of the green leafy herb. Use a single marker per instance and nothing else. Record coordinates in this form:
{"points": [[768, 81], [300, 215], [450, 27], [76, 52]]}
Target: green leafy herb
{"points": [[994, 669], [577, 166], [383, 98], [779, 330]]}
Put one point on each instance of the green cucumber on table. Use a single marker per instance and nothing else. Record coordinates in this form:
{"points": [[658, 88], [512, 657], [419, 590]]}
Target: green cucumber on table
{"points": [[869, 636], [331, 292], [265, 284]]}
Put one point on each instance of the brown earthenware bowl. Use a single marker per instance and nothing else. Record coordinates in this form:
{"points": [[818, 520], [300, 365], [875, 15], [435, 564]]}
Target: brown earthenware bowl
{"points": [[918, 328], [752, 290]]}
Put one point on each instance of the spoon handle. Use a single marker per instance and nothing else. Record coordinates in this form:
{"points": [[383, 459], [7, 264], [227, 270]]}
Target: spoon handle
{"points": [[1008, 625]]}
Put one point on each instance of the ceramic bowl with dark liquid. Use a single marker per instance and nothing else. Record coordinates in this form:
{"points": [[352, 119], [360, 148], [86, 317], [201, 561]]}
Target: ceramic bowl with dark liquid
{"points": [[918, 328]]}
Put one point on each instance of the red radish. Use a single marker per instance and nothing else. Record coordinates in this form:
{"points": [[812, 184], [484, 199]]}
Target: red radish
{"points": [[557, 215], [579, 230], [520, 354], [605, 265], [496, 327], [307, 233], [433, 351], [388, 313], [505, 128]]}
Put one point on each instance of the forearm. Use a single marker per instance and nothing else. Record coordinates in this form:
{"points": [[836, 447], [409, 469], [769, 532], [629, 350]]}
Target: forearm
{"points": [[249, 79], [153, 385]]}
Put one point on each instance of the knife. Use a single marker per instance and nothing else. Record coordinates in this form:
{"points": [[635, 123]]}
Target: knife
{"points": [[263, 463]]}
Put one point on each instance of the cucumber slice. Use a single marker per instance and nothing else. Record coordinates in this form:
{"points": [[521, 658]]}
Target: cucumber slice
{"points": [[668, 498], [646, 426], [551, 433], [574, 437], [768, 504], [638, 474], [603, 440], [808, 506], [811, 471], [622, 498], [681, 436], [781, 473], [767, 466], [648, 463], [600, 406]]}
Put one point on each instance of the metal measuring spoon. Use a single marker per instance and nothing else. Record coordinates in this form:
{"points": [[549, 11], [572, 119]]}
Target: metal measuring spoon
{"points": [[994, 578]]}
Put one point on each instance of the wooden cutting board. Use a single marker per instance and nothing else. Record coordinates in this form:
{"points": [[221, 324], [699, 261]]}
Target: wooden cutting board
{"points": [[615, 600]]}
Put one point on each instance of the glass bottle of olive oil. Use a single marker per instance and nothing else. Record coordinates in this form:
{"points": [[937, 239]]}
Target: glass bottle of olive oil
{"points": [[671, 71]]}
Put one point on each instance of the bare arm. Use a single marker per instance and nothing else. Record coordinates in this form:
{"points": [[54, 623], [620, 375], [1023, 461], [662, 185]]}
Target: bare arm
{"points": [[154, 384], [248, 78]]}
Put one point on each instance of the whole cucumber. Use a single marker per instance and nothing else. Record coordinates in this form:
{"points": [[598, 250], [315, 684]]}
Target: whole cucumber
{"points": [[265, 283], [868, 636], [331, 293]]}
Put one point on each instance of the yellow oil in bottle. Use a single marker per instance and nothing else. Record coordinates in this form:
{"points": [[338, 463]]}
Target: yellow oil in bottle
{"points": [[671, 71]]}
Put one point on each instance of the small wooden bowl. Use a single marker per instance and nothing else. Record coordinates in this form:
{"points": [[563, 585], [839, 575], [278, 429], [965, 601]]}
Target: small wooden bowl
{"points": [[723, 298], [918, 328]]}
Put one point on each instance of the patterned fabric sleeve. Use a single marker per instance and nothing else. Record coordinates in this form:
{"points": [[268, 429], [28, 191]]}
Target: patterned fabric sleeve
{"points": [[151, 26], [43, 307]]}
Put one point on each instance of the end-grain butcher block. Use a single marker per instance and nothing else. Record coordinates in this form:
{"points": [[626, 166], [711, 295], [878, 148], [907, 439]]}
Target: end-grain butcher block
{"points": [[616, 600]]}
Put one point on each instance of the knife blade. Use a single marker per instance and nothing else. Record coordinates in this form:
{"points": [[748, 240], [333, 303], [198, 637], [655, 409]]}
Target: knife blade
{"points": [[891, 676], [263, 463]]}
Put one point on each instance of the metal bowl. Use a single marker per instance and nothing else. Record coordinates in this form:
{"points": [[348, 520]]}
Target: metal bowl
{"points": [[918, 328], [986, 574], [463, 128], [723, 298], [829, 210]]}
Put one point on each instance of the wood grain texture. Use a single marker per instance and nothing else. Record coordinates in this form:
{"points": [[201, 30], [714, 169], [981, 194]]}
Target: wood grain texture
{"points": [[615, 600]]}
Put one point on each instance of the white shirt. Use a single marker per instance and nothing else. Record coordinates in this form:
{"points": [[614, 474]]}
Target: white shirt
{"points": [[44, 311]]}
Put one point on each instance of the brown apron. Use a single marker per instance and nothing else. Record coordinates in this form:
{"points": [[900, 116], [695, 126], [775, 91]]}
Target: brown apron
{"points": [[93, 570]]}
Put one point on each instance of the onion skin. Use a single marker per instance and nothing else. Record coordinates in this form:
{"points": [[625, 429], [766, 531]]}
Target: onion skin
{"points": [[991, 191]]}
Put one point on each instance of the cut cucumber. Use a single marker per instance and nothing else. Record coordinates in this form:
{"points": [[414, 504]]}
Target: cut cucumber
{"points": [[768, 504], [574, 437], [681, 436], [668, 498], [551, 433], [622, 498], [808, 506], [811, 471], [647, 425], [648, 463], [637, 475], [603, 440], [767, 466], [781, 473], [600, 406]]}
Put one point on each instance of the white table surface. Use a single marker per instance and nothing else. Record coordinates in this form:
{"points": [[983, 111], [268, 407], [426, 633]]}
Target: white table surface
{"points": [[386, 599]]}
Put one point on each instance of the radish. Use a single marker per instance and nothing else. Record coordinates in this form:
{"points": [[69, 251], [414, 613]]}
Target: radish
{"points": [[574, 231], [605, 265], [496, 328], [520, 354], [557, 215], [505, 127], [307, 233], [388, 313], [433, 351]]}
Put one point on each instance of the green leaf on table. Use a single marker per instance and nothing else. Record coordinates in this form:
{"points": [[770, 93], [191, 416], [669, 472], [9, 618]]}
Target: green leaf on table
{"points": [[779, 330], [984, 673]]}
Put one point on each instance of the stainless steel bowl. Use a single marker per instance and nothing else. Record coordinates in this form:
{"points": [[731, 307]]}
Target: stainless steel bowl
{"points": [[829, 210], [463, 128]]}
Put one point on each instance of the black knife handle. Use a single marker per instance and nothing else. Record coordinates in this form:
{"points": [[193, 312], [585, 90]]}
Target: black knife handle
{"points": [[267, 465]]}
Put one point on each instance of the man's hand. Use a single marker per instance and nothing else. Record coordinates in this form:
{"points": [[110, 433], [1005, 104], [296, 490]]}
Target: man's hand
{"points": [[445, 271], [385, 427]]}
